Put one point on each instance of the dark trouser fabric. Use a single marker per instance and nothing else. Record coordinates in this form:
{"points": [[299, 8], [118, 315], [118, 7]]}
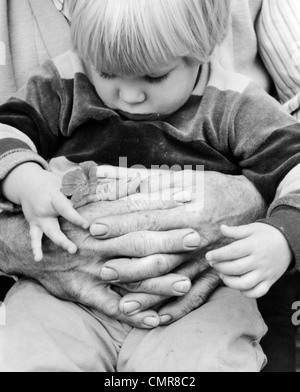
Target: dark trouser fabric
{"points": [[276, 309]]}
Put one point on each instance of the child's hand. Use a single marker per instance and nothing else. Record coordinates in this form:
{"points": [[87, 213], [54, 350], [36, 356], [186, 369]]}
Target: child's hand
{"points": [[42, 209], [38, 192], [252, 264]]}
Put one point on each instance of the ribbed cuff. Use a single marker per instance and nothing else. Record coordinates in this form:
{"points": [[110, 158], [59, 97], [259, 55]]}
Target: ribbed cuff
{"points": [[287, 221]]}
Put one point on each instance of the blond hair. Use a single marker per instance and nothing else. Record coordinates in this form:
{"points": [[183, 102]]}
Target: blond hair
{"points": [[133, 37]]}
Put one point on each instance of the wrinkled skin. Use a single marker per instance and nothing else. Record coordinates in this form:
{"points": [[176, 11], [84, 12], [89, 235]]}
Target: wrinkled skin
{"points": [[144, 243]]}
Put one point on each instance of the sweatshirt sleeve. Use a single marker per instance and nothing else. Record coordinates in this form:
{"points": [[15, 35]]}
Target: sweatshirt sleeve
{"points": [[31, 122], [266, 142]]}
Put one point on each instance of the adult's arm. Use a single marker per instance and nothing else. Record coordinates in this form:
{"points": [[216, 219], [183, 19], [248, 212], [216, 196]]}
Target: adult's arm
{"points": [[77, 278]]}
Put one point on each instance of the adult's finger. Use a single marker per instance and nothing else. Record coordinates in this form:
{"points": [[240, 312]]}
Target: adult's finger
{"points": [[103, 299], [135, 270], [146, 243], [118, 189], [202, 288], [144, 220], [184, 179], [132, 304], [168, 285]]}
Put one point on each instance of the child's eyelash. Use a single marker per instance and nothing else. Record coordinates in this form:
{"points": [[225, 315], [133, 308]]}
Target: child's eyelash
{"points": [[105, 75], [154, 80], [149, 79]]}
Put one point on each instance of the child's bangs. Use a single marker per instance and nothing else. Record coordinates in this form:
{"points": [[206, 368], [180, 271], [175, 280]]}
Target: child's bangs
{"points": [[130, 37], [136, 37]]}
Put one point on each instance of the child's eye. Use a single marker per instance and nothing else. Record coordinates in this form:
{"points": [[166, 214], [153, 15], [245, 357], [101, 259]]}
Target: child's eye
{"points": [[157, 80], [104, 75]]}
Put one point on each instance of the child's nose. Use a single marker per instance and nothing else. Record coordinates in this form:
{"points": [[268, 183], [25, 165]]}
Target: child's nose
{"points": [[132, 95]]}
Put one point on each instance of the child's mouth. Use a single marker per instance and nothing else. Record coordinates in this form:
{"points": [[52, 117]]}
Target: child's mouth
{"points": [[141, 117]]}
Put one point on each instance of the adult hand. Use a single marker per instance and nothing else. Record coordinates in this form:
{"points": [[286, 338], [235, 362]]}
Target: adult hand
{"points": [[229, 200], [77, 278]]}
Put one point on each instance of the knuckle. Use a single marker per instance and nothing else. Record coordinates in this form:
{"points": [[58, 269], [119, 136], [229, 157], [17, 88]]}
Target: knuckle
{"points": [[134, 205], [194, 302], [140, 244], [144, 222], [168, 243], [120, 226], [152, 222]]}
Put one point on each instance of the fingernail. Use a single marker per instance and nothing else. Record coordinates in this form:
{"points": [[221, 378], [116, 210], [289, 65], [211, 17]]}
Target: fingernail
{"points": [[152, 322], [86, 225], [182, 287], [208, 257], [165, 319], [99, 230], [192, 241], [72, 250], [131, 307], [108, 274], [183, 197]]}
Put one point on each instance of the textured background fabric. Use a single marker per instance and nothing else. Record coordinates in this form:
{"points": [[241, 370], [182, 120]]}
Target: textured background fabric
{"points": [[279, 39], [31, 31]]}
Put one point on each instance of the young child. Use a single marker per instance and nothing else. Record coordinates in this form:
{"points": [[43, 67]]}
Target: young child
{"points": [[278, 32], [142, 83]]}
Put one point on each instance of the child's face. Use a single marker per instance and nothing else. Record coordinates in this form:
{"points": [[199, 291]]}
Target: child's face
{"points": [[148, 97]]}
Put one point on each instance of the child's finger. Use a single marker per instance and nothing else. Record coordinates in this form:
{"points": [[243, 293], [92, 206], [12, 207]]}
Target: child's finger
{"points": [[64, 207], [36, 235], [242, 283], [237, 233], [52, 230], [257, 292], [234, 268], [236, 250]]}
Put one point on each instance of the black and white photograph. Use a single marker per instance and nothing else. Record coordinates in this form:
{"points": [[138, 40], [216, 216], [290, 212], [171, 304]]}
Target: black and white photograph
{"points": [[149, 189]]}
